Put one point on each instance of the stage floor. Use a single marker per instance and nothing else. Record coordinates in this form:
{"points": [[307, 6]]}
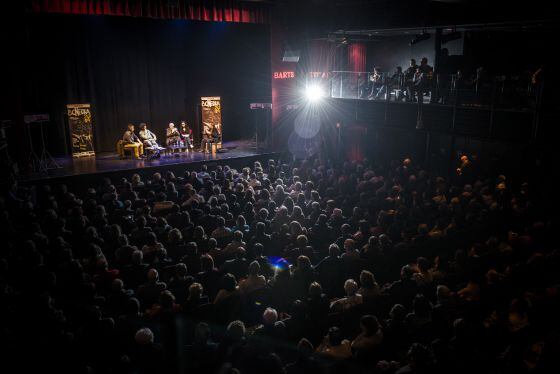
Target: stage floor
{"points": [[110, 162]]}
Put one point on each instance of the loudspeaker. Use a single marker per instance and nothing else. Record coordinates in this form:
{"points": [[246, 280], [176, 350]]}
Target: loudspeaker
{"points": [[290, 55]]}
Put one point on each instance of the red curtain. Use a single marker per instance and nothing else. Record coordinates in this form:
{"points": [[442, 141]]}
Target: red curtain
{"points": [[198, 10], [356, 132], [357, 57]]}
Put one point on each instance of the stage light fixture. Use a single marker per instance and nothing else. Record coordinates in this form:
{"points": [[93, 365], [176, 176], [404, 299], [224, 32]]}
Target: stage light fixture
{"points": [[451, 36], [314, 93], [290, 55], [419, 38]]}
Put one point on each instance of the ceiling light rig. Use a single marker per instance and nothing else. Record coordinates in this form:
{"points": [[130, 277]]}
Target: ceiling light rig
{"points": [[420, 38]]}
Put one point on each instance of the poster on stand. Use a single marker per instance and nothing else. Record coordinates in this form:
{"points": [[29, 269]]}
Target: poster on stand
{"points": [[211, 117], [81, 129]]}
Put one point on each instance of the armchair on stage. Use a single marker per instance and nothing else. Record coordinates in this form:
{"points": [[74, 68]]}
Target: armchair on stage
{"points": [[142, 145], [133, 149]]}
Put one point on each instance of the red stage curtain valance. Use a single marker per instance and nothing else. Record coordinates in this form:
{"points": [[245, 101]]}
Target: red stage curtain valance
{"points": [[357, 57], [198, 10]]}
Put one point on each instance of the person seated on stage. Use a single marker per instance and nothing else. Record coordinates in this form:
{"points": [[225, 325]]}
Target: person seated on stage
{"points": [[131, 140], [206, 135], [173, 135], [209, 138], [186, 135], [218, 129], [149, 140]]}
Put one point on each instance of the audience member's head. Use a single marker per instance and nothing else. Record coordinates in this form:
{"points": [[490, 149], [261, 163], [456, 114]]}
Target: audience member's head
{"points": [[144, 336], [350, 287], [270, 316]]}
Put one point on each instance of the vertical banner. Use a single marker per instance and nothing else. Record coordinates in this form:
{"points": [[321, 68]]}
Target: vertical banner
{"points": [[211, 116], [81, 129]]}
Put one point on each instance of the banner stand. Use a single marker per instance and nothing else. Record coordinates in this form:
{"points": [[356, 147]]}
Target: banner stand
{"points": [[81, 129], [211, 113]]}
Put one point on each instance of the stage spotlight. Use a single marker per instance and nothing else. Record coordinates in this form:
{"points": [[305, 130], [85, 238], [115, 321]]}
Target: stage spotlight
{"points": [[314, 93]]}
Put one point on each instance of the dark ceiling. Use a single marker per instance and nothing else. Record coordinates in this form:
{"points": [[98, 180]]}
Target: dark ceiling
{"points": [[317, 17]]}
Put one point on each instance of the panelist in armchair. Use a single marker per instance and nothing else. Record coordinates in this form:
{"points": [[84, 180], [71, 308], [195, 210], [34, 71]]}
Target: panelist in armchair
{"points": [[186, 135], [149, 140], [210, 134], [131, 140], [173, 136]]}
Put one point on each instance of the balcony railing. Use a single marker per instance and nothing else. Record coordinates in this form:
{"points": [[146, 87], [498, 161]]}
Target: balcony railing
{"points": [[497, 92]]}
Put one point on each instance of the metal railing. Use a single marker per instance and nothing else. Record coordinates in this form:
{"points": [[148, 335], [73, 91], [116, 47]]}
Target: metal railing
{"points": [[516, 93]]}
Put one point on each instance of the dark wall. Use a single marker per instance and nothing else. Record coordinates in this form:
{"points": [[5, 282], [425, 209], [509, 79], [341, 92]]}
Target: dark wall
{"points": [[393, 51], [512, 52], [143, 70]]}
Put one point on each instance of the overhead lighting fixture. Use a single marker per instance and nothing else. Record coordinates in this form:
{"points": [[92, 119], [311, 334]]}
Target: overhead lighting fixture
{"points": [[419, 38], [290, 55], [451, 36]]}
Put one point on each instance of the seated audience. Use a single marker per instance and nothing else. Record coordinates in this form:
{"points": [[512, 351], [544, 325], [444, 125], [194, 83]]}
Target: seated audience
{"points": [[455, 274]]}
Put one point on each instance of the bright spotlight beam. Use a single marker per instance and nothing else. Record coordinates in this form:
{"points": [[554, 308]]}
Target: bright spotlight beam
{"points": [[314, 93]]}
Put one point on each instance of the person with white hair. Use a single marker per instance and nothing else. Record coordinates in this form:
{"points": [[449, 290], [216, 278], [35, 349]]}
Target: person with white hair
{"points": [[270, 316], [147, 356], [173, 137], [271, 327], [352, 299], [144, 336]]}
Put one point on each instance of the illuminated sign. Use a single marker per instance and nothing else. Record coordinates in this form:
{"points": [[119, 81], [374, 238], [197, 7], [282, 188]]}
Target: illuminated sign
{"points": [[284, 75], [318, 74]]}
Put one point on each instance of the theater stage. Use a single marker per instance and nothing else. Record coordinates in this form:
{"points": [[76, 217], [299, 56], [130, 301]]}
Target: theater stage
{"points": [[237, 153]]}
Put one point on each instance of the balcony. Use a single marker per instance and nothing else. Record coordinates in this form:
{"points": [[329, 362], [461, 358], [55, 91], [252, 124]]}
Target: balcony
{"points": [[482, 91], [499, 107]]}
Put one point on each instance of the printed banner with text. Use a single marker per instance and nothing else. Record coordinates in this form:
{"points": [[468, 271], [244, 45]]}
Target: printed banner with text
{"points": [[81, 129], [211, 117]]}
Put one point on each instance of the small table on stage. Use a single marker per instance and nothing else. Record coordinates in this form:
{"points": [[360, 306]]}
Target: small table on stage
{"points": [[169, 150]]}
